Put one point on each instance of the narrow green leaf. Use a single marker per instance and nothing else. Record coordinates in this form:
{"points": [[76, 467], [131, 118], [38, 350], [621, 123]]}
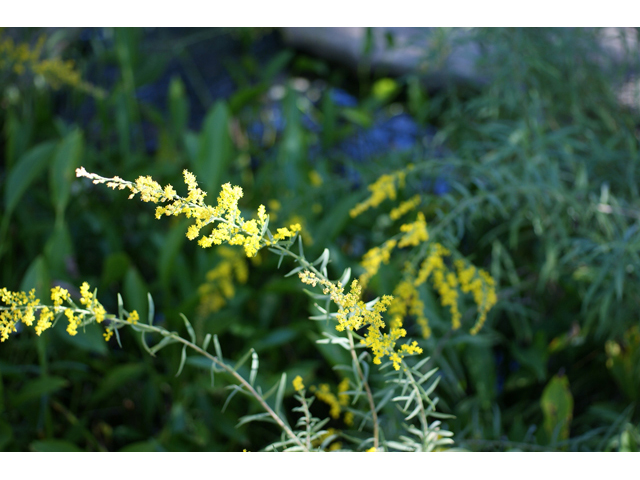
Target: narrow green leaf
{"points": [[120, 307], [192, 333], [254, 368], [143, 339], [216, 345], [115, 330], [152, 309], [235, 390], [207, 340], [414, 412], [166, 341], [280, 394], [252, 418], [432, 387], [243, 359], [183, 359]]}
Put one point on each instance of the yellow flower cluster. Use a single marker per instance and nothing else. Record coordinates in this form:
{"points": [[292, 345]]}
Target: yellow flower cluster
{"points": [[21, 58], [372, 260], [406, 301], [383, 188], [22, 307], [219, 286], [324, 394], [465, 278], [17, 56], [230, 226], [384, 345], [297, 383], [482, 287], [414, 233], [353, 314], [134, 317], [405, 207], [91, 303]]}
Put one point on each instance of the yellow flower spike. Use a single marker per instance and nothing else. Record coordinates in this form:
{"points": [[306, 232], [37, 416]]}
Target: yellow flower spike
{"points": [[415, 232], [74, 322], [353, 314], [324, 395], [405, 207], [372, 260], [230, 226], [383, 188], [87, 296]]}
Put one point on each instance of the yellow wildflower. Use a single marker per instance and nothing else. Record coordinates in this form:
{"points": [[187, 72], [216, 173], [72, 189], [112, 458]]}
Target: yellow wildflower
{"points": [[405, 207], [383, 188], [415, 232], [297, 383], [133, 317], [230, 227], [59, 295], [372, 260], [74, 322], [219, 286], [45, 321], [324, 394], [353, 314]]}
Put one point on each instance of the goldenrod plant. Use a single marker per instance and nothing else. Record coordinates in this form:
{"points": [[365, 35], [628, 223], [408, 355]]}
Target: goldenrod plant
{"points": [[508, 252], [358, 325], [22, 59]]}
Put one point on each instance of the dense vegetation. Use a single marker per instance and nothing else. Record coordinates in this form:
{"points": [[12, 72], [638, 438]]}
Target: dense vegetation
{"points": [[531, 176]]}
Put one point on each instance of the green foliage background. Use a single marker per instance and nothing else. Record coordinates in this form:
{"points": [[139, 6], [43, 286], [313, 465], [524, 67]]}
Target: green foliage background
{"points": [[542, 167]]}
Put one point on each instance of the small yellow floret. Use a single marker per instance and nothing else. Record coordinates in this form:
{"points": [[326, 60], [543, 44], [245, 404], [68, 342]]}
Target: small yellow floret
{"points": [[297, 383]]}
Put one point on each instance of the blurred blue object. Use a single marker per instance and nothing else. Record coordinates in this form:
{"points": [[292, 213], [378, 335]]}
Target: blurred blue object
{"points": [[342, 99]]}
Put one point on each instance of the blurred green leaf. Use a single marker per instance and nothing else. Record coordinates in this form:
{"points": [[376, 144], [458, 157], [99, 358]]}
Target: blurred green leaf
{"points": [[59, 250], [89, 339], [148, 446], [117, 378], [215, 149], [6, 435], [34, 389], [53, 445], [135, 292], [37, 276], [557, 407], [62, 170], [26, 170], [178, 106], [481, 367]]}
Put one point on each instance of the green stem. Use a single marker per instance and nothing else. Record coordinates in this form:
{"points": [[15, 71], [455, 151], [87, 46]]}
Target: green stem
{"points": [[228, 369], [367, 389]]}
